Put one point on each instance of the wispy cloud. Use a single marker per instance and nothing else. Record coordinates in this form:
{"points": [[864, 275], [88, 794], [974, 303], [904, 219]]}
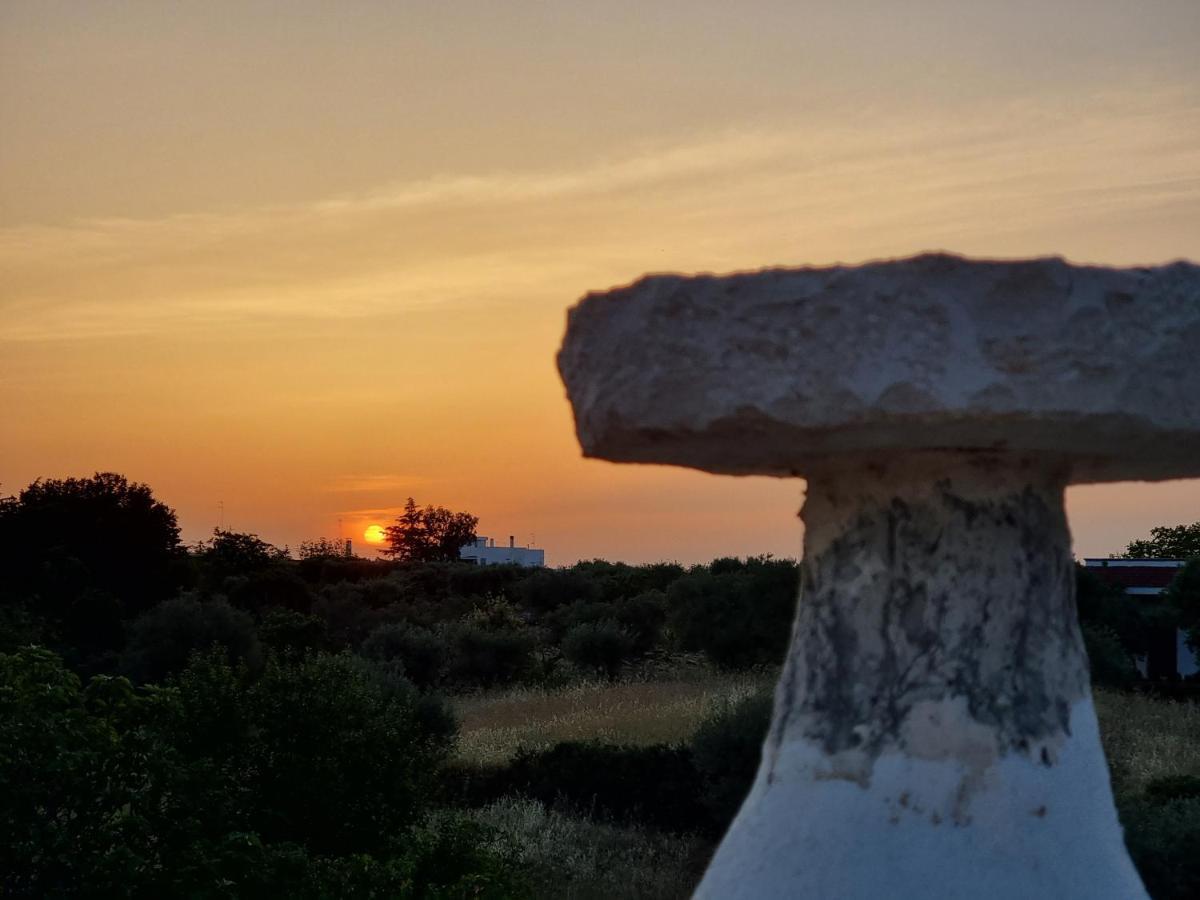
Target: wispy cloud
{"points": [[376, 513], [830, 190], [353, 484]]}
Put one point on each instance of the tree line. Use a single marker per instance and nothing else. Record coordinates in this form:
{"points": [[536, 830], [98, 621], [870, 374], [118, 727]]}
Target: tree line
{"points": [[227, 720]]}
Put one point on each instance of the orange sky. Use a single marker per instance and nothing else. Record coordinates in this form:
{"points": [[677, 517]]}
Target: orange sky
{"points": [[309, 260]]}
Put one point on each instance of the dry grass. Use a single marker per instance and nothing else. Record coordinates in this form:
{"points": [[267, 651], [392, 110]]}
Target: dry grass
{"points": [[569, 858], [574, 859], [1146, 738], [635, 712]]}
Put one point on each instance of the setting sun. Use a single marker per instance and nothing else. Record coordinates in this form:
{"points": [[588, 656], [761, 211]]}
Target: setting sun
{"points": [[374, 534]]}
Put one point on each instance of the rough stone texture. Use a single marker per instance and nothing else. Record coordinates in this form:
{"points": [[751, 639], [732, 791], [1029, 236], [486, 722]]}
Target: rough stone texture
{"points": [[768, 372], [933, 582], [933, 733]]}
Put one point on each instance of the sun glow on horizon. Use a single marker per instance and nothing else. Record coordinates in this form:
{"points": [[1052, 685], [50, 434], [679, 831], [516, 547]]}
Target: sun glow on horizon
{"points": [[374, 534]]}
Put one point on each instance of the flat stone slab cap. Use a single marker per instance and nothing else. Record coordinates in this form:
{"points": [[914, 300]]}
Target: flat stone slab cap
{"points": [[775, 372]]}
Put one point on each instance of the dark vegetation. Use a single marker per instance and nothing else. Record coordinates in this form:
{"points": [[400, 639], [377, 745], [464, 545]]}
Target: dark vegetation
{"points": [[227, 721]]}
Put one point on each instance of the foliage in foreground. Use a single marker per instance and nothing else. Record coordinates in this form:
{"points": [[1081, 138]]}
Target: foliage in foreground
{"points": [[311, 781], [1153, 748], [570, 858], [695, 787]]}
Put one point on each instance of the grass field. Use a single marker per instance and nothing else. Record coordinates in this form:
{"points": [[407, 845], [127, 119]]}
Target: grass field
{"points": [[1145, 739], [628, 712], [575, 859]]}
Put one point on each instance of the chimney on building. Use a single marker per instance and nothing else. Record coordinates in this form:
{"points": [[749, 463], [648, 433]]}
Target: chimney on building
{"points": [[511, 541], [349, 552]]}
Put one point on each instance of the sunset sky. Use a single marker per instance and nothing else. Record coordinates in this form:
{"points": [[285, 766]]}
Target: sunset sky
{"points": [[308, 259]]}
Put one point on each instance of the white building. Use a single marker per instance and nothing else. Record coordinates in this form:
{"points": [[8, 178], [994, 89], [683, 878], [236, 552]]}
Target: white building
{"points": [[484, 552]]}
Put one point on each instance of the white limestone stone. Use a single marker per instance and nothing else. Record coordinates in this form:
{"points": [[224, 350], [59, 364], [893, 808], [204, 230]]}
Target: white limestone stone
{"points": [[933, 732], [766, 372]]}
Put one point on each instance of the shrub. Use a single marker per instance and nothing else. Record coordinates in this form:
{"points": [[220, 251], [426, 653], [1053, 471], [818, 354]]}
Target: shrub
{"points": [[94, 801], [322, 570], [423, 654], [569, 857], [313, 781], [273, 587], [232, 553], [727, 749], [292, 632], [563, 619], [656, 785], [162, 640], [643, 616], [739, 617], [616, 580], [548, 589], [347, 619], [1108, 660], [486, 658], [1174, 787], [1164, 840], [470, 580], [602, 646], [109, 531], [337, 759], [1106, 606]]}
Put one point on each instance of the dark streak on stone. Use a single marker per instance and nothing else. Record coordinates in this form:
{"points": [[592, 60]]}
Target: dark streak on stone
{"points": [[932, 594]]}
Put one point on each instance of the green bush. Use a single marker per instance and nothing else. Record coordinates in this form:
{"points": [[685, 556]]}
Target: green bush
{"points": [[1106, 606], [563, 619], [94, 798], [1108, 660], [423, 654], [484, 658], [337, 758], [656, 785], [599, 646], [643, 616], [348, 620], [727, 749], [110, 534], [162, 640], [568, 857], [548, 589], [312, 781], [741, 616], [1174, 787], [276, 587], [449, 858], [1163, 838], [615, 580], [288, 631]]}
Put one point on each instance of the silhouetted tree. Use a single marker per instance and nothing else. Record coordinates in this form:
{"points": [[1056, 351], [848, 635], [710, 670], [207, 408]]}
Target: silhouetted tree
{"points": [[163, 639], [727, 748], [429, 534], [548, 589], [114, 536], [237, 553], [1167, 542], [423, 654], [737, 613], [311, 781], [322, 548], [78, 556], [289, 631], [602, 646]]}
